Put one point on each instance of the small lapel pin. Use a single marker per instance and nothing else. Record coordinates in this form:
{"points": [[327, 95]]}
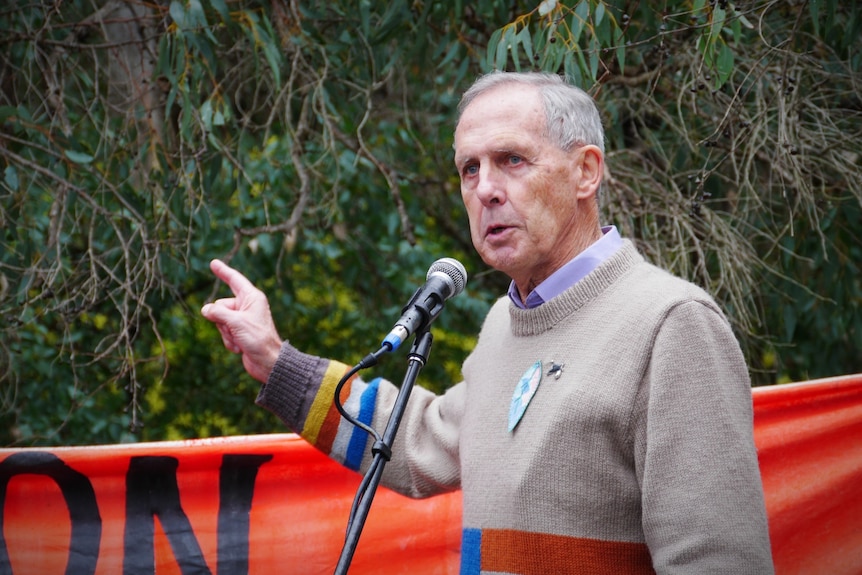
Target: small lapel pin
{"points": [[556, 369]]}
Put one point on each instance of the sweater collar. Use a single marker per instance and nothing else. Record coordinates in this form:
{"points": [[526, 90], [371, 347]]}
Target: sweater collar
{"points": [[526, 322], [572, 272]]}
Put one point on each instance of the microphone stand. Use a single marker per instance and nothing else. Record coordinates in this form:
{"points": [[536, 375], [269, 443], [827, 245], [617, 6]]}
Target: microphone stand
{"points": [[382, 450]]}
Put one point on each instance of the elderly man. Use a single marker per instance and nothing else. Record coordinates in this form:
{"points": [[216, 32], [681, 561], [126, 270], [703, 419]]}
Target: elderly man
{"points": [[604, 424]]}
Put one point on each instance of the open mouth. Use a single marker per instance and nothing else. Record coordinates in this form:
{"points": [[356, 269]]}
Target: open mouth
{"points": [[496, 230]]}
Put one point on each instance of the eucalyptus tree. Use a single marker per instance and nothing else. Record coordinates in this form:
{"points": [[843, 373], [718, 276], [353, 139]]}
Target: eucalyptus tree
{"points": [[311, 146]]}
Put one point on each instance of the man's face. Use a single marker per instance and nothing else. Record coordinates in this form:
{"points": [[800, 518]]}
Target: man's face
{"points": [[520, 190]]}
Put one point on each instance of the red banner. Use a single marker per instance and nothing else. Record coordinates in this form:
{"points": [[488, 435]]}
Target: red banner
{"points": [[272, 504], [809, 441]]}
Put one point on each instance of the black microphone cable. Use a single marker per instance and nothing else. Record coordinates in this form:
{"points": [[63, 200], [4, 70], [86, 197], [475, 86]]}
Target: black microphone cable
{"points": [[368, 361]]}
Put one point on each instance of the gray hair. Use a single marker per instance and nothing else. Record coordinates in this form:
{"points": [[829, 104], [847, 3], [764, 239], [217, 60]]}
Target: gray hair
{"points": [[571, 116]]}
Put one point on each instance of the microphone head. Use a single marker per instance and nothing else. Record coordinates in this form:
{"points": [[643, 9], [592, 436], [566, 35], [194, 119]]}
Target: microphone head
{"points": [[453, 269]]}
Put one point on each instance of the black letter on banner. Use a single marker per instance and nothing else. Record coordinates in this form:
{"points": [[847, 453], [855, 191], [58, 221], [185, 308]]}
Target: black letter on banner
{"points": [[236, 489], [151, 489], [80, 500]]}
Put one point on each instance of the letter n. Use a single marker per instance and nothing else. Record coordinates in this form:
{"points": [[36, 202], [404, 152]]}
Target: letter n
{"points": [[151, 489]]}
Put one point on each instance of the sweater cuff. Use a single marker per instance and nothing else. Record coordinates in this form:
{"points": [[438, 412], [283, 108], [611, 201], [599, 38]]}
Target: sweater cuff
{"points": [[292, 385]]}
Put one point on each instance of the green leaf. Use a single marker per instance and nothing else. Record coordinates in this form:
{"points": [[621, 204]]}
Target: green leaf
{"points": [[221, 7], [454, 49], [814, 7], [602, 31], [78, 157], [579, 20], [546, 7], [491, 54], [620, 49], [10, 176], [724, 64], [197, 16], [206, 112], [599, 14], [572, 69], [718, 17], [553, 56], [595, 50], [365, 17], [502, 55], [273, 58], [512, 46], [178, 14], [206, 50], [24, 113], [707, 50], [582, 68], [526, 40]]}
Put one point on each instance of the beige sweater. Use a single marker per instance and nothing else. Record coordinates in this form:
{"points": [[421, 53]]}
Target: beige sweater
{"points": [[635, 455]]}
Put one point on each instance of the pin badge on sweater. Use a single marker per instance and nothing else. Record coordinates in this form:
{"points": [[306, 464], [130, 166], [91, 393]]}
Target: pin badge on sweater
{"points": [[524, 392]]}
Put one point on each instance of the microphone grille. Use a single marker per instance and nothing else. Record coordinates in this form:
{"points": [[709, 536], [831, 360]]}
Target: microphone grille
{"points": [[452, 268]]}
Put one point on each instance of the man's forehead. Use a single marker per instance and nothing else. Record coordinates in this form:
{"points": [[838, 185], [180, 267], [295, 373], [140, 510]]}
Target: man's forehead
{"points": [[504, 136]]}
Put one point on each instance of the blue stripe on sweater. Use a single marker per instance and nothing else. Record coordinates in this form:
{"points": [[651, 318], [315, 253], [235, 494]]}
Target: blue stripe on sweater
{"points": [[359, 438], [471, 552]]}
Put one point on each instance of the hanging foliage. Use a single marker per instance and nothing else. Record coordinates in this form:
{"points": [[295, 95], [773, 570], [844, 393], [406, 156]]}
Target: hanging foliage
{"points": [[310, 145]]}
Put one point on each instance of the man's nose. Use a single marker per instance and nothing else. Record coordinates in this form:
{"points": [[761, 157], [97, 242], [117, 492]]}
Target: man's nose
{"points": [[491, 188]]}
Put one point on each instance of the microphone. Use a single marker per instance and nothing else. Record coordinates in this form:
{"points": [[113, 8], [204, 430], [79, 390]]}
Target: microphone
{"points": [[446, 278]]}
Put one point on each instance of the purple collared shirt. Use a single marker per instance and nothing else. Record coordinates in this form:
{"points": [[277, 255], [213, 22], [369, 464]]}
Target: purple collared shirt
{"points": [[576, 269]]}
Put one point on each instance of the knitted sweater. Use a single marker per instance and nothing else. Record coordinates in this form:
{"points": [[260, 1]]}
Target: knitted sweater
{"points": [[634, 455]]}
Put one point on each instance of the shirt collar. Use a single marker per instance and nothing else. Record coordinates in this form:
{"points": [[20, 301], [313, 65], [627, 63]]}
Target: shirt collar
{"points": [[572, 272]]}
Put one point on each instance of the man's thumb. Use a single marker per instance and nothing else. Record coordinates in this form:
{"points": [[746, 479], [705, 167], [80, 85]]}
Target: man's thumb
{"points": [[210, 312]]}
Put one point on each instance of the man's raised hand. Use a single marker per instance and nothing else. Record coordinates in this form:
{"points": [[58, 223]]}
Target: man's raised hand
{"points": [[245, 322]]}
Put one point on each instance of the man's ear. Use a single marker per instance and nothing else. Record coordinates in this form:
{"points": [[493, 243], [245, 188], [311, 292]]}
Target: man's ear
{"points": [[591, 162]]}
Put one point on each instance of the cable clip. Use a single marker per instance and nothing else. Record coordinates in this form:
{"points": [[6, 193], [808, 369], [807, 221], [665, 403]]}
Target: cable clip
{"points": [[380, 448]]}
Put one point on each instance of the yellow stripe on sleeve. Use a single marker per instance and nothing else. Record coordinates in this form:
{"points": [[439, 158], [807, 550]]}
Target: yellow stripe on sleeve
{"points": [[323, 401]]}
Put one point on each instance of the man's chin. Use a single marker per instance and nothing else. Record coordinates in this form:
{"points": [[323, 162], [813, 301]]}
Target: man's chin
{"points": [[501, 259]]}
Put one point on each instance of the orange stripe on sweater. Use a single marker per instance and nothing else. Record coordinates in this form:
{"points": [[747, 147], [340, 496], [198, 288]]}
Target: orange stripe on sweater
{"points": [[528, 553]]}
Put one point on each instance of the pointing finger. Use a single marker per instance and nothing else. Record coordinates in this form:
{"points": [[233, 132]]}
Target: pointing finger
{"points": [[237, 282]]}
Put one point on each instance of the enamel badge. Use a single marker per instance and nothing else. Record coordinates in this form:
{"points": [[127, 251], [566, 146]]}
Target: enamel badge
{"points": [[524, 392]]}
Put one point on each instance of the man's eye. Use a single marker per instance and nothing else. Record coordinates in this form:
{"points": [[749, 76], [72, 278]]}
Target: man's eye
{"points": [[515, 160], [471, 170]]}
